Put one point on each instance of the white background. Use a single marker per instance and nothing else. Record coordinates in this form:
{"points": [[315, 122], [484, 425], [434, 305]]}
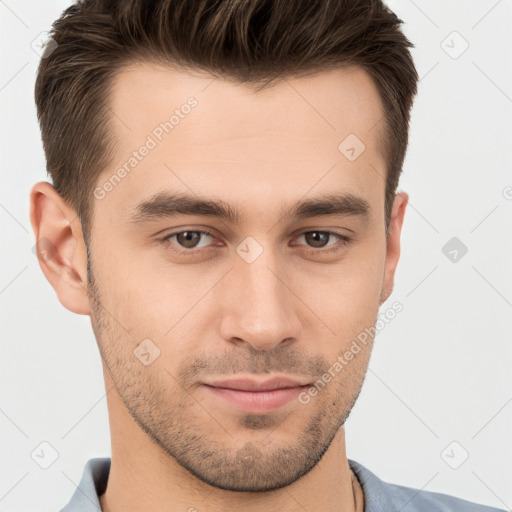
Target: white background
{"points": [[440, 371]]}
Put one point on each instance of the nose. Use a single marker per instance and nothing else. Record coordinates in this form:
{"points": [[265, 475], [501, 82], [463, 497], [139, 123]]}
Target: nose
{"points": [[259, 306]]}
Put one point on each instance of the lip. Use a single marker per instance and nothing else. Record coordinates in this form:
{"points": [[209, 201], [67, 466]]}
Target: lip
{"points": [[256, 397], [245, 384]]}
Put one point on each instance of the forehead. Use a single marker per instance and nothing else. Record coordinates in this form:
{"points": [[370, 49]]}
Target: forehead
{"points": [[208, 134], [332, 101]]}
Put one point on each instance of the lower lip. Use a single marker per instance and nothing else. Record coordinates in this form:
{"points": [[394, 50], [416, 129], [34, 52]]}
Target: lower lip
{"points": [[256, 401]]}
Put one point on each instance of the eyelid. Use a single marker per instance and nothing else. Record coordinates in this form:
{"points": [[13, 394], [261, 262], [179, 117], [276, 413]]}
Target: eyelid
{"points": [[167, 240], [342, 242], [333, 233]]}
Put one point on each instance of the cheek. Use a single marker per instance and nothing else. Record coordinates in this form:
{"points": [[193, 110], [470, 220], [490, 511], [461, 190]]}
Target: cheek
{"points": [[345, 296], [158, 302], [151, 297]]}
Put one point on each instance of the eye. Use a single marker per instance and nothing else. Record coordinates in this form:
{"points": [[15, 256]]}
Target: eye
{"points": [[187, 242], [321, 239], [187, 239]]}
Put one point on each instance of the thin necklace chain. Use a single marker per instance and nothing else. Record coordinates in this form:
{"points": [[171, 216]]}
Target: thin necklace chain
{"points": [[358, 493]]}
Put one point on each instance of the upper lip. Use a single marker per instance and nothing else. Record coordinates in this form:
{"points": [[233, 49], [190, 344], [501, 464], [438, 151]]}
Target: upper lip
{"points": [[246, 384]]}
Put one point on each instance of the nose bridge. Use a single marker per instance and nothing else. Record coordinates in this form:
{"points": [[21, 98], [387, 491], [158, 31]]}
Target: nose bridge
{"points": [[261, 310]]}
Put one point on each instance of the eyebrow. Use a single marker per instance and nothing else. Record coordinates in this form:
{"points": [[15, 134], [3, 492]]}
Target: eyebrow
{"points": [[164, 205]]}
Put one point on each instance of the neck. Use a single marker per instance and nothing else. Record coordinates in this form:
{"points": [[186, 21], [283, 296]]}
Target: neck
{"points": [[144, 477]]}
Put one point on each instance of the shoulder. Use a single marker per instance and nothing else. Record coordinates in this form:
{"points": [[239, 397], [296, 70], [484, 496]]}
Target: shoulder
{"points": [[382, 496], [92, 485], [418, 500]]}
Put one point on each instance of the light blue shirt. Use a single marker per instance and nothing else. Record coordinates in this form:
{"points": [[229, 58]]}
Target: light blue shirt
{"points": [[379, 496]]}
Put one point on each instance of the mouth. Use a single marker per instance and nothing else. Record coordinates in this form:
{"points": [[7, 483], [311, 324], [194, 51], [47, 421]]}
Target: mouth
{"points": [[256, 397]]}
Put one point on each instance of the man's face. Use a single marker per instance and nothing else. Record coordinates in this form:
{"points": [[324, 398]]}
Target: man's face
{"points": [[269, 293]]}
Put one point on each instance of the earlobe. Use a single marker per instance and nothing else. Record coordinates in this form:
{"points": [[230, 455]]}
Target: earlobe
{"points": [[60, 246], [393, 243]]}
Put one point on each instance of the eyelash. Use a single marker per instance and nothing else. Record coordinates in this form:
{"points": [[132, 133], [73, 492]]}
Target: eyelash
{"points": [[344, 241]]}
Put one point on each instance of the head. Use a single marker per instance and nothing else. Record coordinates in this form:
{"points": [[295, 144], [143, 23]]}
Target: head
{"points": [[224, 204]]}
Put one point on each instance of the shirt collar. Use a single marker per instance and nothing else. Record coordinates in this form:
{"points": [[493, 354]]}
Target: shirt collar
{"points": [[91, 487], [96, 471]]}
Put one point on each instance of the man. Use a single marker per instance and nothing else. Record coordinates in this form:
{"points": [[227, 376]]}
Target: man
{"points": [[224, 206]]}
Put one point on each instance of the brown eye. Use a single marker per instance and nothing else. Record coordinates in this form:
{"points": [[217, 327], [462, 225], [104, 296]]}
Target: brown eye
{"points": [[324, 241], [317, 238], [188, 239]]}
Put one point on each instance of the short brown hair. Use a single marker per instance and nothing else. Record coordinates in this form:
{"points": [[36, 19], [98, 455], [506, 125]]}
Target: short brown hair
{"points": [[256, 42]]}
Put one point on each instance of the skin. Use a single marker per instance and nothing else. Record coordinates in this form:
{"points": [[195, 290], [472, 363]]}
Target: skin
{"points": [[292, 311]]}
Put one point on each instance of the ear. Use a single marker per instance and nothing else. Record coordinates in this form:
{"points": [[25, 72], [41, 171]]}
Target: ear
{"points": [[60, 246], [393, 243]]}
